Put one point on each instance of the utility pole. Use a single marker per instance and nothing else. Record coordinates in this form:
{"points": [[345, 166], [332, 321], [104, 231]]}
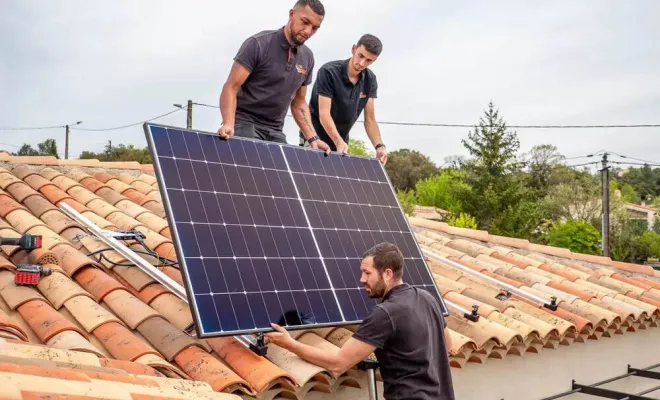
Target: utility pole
{"points": [[66, 144], [189, 118], [606, 206], [66, 140]]}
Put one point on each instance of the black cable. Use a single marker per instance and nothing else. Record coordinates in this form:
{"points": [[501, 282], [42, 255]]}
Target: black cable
{"points": [[129, 125], [581, 165], [163, 260]]}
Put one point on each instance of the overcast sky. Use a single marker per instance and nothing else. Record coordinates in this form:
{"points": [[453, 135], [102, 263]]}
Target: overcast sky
{"points": [[110, 63]]}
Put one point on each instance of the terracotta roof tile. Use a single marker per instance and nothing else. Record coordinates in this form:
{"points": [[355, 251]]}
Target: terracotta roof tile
{"points": [[121, 343], [7, 179], [165, 337], [93, 185], [200, 365], [8, 205], [20, 191], [129, 308], [174, 310], [44, 320], [71, 259], [88, 313], [72, 340], [54, 194], [58, 288], [37, 182]]}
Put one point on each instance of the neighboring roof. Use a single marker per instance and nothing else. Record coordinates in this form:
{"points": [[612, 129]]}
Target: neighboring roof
{"points": [[120, 332], [111, 328], [641, 208], [432, 213]]}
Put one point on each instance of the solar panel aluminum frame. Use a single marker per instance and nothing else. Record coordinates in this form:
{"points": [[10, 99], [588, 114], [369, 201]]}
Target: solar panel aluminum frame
{"points": [[182, 259]]}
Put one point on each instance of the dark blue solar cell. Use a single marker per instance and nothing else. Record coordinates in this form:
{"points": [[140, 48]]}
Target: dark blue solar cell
{"points": [[211, 207], [318, 306], [251, 154], [271, 211], [242, 210], [257, 210], [265, 157], [303, 188], [218, 180], [224, 152], [361, 302], [205, 241], [247, 275], [195, 206], [297, 213], [237, 241], [214, 268], [290, 310], [261, 182], [247, 181], [202, 176], [336, 274], [331, 306], [229, 213], [226, 312], [177, 201], [188, 180], [169, 172], [287, 185], [186, 235], [178, 143], [292, 159], [335, 165], [260, 313], [210, 321], [315, 190], [346, 305], [194, 147], [237, 152], [207, 142], [197, 274], [267, 242], [161, 142], [253, 241], [222, 243]]}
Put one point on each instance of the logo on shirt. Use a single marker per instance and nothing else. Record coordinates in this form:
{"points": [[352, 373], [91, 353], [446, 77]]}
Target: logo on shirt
{"points": [[301, 69], [363, 95]]}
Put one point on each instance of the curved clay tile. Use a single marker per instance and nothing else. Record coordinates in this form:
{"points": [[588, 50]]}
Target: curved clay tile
{"points": [[143, 187], [152, 221], [339, 336], [71, 260], [129, 366], [58, 288], [260, 373], [172, 273], [42, 257], [45, 321], [110, 195], [15, 295], [527, 332], [131, 209], [121, 343], [544, 329], [166, 250], [582, 294], [9, 325], [147, 179], [103, 177], [6, 264], [7, 179], [617, 285], [126, 178], [82, 195], [130, 192], [50, 173], [58, 221], [39, 205], [467, 247], [129, 308], [71, 340], [487, 297], [149, 293], [174, 310], [76, 205], [8, 205], [156, 196], [162, 367], [97, 282], [135, 277], [200, 365], [89, 314], [67, 184], [37, 182], [562, 272], [102, 208], [22, 172], [628, 313], [166, 232], [77, 175], [466, 302], [20, 191], [165, 337], [93, 185], [509, 260], [635, 268], [54, 194], [49, 239]]}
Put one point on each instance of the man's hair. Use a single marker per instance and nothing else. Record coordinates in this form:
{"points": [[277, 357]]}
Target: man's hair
{"points": [[315, 5], [386, 255], [371, 43]]}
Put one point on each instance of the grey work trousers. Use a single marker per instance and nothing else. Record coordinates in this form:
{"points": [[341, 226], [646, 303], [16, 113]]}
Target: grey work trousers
{"points": [[257, 131]]}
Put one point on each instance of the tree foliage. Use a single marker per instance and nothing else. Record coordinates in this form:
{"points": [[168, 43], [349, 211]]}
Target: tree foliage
{"points": [[444, 190], [408, 200], [46, 148], [120, 153], [577, 236], [359, 148], [462, 220], [406, 167]]}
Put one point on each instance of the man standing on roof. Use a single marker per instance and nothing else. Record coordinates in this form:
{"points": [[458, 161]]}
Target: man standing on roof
{"points": [[343, 89], [406, 331], [270, 73]]}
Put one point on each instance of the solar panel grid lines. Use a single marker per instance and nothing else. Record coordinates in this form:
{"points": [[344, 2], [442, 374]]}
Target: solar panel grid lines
{"points": [[267, 232]]}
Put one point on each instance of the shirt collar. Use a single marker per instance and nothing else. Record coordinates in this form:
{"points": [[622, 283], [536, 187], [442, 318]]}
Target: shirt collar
{"points": [[396, 289], [345, 73], [281, 38]]}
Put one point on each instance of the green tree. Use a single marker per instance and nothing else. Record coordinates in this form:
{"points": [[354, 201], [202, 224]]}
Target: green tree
{"points": [[444, 190], [120, 152], [578, 198], [645, 246], [577, 236], [462, 220], [359, 148], [628, 193], [406, 167], [408, 200], [495, 175], [645, 181], [46, 148], [541, 162]]}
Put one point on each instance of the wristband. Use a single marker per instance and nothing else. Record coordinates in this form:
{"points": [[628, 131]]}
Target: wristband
{"points": [[313, 138], [379, 145]]}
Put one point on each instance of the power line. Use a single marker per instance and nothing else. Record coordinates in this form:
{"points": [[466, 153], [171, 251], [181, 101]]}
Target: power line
{"points": [[508, 126], [581, 165], [129, 125], [10, 145], [33, 128]]}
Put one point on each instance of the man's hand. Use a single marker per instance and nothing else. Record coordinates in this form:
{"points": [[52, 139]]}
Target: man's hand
{"points": [[381, 154], [342, 147], [321, 145], [225, 131], [280, 337]]}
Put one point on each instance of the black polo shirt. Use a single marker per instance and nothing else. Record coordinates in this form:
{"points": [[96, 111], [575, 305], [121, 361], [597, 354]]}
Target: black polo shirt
{"points": [[348, 99], [407, 328], [277, 71]]}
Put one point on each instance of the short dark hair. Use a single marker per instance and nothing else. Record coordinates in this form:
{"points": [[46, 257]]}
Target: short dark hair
{"points": [[315, 5], [386, 255], [371, 43]]}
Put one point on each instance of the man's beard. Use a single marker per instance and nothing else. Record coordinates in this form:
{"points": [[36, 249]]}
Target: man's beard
{"points": [[378, 291], [295, 41]]}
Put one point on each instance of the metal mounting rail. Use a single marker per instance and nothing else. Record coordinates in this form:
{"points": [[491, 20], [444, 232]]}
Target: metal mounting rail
{"points": [[153, 272], [595, 390], [552, 305]]}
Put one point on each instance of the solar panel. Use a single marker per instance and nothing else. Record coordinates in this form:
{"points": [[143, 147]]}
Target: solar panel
{"points": [[267, 232]]}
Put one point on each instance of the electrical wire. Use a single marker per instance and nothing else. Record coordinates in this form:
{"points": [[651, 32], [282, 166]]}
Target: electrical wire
{"points": [[129, 125], [32, 128], [581, 165], [508, 126]]}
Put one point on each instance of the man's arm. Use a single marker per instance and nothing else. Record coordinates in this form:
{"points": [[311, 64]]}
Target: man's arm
{"points": [[302, 116], [336, 361], [371, 126], [325, 104], [237, 76]]}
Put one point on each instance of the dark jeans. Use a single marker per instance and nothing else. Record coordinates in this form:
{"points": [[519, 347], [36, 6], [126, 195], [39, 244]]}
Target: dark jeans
{"points": [[256, 131]]}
